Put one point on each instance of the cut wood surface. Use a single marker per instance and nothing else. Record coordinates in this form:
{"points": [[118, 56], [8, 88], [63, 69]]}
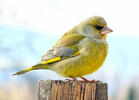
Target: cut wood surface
{"points": [[71, 90]]}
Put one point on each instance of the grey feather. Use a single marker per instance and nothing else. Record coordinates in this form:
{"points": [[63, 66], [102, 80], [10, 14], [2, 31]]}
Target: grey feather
{"points": [[64, 52], [49, 55], [58, 52]]}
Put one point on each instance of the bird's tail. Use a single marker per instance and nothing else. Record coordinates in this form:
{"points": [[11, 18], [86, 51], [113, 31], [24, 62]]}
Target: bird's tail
{"points": [[38, 66]]}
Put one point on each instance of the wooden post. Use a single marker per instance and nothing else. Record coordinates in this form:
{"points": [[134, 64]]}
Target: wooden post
{"points": [[71, 90]]}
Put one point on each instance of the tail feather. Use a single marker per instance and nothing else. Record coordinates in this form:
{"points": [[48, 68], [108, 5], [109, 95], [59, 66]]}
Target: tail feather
{"points": [[38, 66]]}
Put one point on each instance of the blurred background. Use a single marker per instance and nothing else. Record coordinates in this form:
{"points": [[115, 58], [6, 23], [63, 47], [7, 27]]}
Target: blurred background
{"points": [[28, 28]]}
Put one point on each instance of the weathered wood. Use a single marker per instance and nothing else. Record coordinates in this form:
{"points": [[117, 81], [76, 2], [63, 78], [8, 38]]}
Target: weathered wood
{"points": [[71, 90]]}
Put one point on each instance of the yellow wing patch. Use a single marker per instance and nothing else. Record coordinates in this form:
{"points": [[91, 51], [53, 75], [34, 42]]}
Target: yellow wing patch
{"points": [[51, 60], [58, 59], [77, 53]]}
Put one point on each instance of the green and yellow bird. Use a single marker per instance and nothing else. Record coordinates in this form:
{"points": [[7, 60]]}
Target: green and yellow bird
{"points": [[80, 51]]}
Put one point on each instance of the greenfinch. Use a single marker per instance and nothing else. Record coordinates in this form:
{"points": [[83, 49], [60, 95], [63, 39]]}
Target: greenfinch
{"points": [[80, 51]]}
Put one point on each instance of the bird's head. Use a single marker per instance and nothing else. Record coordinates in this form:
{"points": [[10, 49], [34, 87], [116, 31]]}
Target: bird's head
{"points": [[97, 27]]}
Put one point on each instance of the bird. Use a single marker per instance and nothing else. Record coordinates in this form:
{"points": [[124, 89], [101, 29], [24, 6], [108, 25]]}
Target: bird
{"points": [[80, 51]]}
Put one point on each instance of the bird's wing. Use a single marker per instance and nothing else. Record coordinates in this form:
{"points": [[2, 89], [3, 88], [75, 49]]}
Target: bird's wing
{"points": [[66, 47]]}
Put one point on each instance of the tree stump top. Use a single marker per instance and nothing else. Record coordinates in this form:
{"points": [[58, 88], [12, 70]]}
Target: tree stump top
{"points": [[71, 90]]}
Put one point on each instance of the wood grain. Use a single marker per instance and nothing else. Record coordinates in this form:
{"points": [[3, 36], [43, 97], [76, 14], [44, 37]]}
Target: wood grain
{"points": [[71, 90]]}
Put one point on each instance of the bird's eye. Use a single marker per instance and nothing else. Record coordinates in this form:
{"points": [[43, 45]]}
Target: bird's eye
{"points": [[98, 27]]}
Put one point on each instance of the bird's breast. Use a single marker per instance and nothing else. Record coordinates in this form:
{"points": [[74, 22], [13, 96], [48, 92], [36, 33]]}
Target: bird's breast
{"points": [[94, 53], [91, 57]]}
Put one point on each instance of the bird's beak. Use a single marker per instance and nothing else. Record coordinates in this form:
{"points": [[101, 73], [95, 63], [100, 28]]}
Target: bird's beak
{"points": [[106, 30]]}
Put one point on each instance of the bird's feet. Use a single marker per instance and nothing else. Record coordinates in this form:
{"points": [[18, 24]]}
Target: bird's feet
{"points": [[73, 79], [85, 80]]}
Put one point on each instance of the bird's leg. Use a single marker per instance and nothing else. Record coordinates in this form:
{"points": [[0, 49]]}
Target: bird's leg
{"points": [[73, 79], [84, 79]]}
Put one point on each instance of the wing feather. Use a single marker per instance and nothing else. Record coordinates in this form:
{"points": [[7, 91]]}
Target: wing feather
{"points": [[66, 47]]}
